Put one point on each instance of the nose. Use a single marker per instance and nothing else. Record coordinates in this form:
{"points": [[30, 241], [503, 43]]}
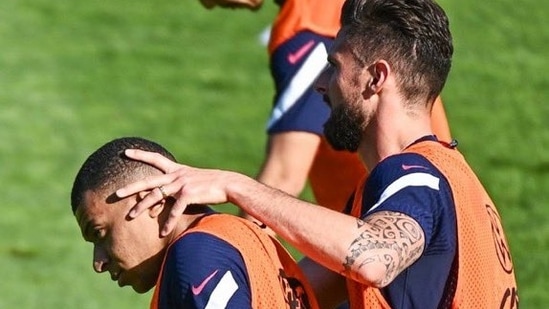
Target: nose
{"points": [[321, 82], [100, 259]]}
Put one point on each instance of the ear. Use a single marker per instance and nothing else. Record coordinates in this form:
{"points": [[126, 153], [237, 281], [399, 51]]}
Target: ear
{"points": [[156, 209], [379, 71]]}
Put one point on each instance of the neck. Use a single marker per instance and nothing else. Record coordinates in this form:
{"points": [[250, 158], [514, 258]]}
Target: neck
{"points": [[190, 216], [391, 131]]}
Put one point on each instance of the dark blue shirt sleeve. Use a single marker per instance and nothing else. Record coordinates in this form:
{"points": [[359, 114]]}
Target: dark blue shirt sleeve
{"points": [[202, 269], [410, 184]]}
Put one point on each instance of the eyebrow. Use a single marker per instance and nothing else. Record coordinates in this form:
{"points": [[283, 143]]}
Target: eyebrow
{"points": [[86, 231], [330, 59]]}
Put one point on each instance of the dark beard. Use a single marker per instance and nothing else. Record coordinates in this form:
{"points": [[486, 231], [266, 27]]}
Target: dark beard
{"points": [[342, 130]]}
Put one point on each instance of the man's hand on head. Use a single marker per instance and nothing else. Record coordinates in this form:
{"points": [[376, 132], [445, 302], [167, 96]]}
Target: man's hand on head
{"points": [[185, 184]]}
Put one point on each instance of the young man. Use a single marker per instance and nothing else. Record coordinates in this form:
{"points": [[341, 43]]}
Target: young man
{"points": [[422, 231], [209, 260]]}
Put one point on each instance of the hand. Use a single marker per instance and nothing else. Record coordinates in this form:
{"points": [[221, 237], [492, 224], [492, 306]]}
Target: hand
{"points": [[186, 184]]}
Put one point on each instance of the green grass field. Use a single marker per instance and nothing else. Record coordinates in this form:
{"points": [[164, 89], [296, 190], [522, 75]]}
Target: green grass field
{"points": [[74, 75]]}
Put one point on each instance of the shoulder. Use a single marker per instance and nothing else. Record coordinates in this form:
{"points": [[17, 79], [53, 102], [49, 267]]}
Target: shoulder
{"points": [[202, 249], [409, 183], [404, 163], [197, 265], [401, 171]]}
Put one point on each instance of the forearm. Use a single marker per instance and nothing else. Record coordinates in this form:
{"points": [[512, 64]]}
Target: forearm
{"points": [[372, 251], [317, 232]]}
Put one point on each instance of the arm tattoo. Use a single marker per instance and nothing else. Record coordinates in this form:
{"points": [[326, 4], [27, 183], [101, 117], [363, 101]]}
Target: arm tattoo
{"points": [[390, 238]]}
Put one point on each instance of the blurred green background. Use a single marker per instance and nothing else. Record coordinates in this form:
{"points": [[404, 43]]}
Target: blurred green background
{"points": [[76, 74]]}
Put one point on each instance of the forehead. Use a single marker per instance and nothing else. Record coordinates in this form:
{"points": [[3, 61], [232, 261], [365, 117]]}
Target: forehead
{"points": [[95, 207], [342, 51]]}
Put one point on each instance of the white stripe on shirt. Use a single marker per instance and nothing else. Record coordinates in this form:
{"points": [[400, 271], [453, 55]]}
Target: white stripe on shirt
{"points": [[409, 180], [223, 292]]}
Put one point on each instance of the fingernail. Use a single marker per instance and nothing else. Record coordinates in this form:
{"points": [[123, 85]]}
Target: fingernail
{"points": [[132, 213]]}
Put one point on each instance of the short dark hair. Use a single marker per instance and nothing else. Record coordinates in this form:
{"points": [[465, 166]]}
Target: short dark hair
{"points": [[108, 167], [412, 35]]}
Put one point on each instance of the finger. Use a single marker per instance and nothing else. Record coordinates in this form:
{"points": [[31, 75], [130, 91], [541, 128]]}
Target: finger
{"points": [[151, 199], [153, 158], [147, 184], [175, 213]]}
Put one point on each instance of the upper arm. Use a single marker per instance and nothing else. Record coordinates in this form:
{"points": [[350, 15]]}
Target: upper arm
{"points": [[405, 201], [386, 244]]}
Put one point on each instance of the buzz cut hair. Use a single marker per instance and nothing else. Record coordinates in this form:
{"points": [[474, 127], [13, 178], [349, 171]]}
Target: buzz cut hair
{"points": [[109, 168]]}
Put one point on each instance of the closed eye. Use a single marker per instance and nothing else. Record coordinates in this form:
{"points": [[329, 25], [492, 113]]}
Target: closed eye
{"points": [[93, 233], [98, 234], [331, 62]]}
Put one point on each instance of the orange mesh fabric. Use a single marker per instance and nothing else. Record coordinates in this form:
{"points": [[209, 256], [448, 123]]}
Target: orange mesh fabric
{"points": [[275, 279], [439, 122], [321, 17], [486, 276], [334, 175]]}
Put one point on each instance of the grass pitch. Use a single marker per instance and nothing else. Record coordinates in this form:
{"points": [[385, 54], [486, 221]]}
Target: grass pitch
{"points": [[77, 74]]}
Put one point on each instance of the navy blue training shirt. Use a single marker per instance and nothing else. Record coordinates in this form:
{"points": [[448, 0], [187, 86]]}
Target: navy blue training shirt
{"points": [[408, 183]]}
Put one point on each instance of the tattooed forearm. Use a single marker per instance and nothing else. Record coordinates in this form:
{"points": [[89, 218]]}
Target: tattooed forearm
{"points": [[391, 239]]}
